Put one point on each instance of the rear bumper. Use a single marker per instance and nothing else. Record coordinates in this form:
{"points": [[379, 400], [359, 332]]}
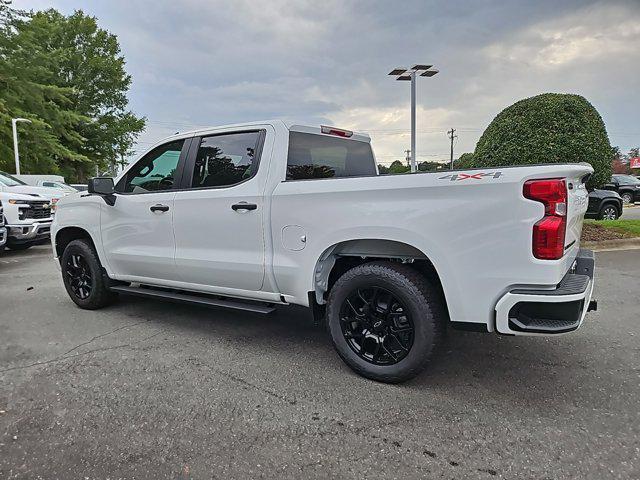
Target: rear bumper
{"points": [[28, 233], [549, 311]]}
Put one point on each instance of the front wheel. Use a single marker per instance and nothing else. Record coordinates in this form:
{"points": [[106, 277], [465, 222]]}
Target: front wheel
{"points": [[385, 320], [82, 276]]}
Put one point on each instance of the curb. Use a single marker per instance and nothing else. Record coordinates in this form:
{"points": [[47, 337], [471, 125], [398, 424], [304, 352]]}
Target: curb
{"points": [[610, 245]]}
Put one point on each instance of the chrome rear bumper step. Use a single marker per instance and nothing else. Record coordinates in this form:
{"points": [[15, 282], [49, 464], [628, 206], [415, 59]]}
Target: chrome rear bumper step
{"points": [[192, 298]]}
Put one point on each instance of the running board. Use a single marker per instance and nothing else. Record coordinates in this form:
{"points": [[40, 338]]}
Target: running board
{"points": [[191, 298]]}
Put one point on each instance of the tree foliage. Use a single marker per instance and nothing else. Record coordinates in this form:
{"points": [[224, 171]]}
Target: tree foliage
{"points": [[67, 76], [547, 128]]}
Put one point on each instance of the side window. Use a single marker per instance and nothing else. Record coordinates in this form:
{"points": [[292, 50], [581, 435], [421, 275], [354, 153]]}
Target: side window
{"points": [[320, 156], [224, 160], [153, 172], [48, 184]]}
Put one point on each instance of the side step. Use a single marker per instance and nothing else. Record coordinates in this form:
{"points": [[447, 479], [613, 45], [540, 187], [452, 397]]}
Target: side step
{"points": [[192, 298]]}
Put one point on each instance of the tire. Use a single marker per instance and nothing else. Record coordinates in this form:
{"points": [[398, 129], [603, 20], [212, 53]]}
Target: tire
{"points": [[18, 246], [83, 278], [627, 198], [608, 212], [419, 310]]}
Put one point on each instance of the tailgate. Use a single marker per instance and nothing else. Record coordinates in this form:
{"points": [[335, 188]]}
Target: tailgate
{"points": [[578, 199]]}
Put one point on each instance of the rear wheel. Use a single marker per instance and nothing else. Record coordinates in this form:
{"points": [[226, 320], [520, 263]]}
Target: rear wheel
{"points": [[385, 319], [608, 212], [627, 197], [82, 276]]}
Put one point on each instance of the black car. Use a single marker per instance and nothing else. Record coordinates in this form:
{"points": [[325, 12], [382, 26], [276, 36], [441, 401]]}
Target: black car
{"points": [[604, 205], [627, 186]]}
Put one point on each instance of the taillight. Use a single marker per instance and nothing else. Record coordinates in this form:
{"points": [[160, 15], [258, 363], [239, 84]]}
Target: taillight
{"points": [[339, 132], [549, 233]]}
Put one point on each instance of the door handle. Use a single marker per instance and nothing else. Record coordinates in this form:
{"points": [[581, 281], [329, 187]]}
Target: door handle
{"points": [[244, 206], [159, 208]]}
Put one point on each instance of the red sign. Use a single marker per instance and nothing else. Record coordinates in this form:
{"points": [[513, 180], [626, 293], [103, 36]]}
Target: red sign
{"points": [[634, 162]]}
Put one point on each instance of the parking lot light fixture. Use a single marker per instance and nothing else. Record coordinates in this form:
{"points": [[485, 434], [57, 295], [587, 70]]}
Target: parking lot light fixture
{"points": [[14, 122], [405, 74]]}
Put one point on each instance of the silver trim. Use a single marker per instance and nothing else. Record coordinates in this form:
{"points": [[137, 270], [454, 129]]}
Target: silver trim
{"points": [[33, 230]]}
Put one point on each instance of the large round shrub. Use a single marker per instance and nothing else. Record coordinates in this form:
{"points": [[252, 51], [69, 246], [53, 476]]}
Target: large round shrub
{"points": [[547, 128]]}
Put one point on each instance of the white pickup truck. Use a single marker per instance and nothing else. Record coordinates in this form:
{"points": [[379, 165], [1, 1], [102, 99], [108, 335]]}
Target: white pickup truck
{"points": [[253, 215], [27, 212]]}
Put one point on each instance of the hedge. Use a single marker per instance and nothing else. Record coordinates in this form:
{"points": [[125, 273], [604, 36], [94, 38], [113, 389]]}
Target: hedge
{"points": [[547, 128]]}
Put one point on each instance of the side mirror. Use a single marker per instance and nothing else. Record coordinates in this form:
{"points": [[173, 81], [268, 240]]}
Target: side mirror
{"points": [[104, 187]]}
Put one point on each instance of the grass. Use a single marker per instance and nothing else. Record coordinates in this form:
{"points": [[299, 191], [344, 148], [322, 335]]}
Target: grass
{"points": [[610, 229]]}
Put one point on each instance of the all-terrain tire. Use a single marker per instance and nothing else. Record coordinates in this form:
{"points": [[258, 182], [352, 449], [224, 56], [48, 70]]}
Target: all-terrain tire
{"points": [[419, 298], [100, 295]]}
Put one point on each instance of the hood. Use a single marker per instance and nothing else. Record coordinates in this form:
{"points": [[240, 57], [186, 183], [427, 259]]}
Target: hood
{"points": [[48, 193], [7, 195], [604, 194]]}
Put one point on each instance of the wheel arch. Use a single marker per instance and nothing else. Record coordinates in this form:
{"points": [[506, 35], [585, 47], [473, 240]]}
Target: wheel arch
{"points": [[347, 254], [611, 202], [66, 235]]}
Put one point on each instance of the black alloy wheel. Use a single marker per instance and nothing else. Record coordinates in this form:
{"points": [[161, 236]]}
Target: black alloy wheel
{"points": [[385, 320], [377, 326], [79, 275], [84, 278]]}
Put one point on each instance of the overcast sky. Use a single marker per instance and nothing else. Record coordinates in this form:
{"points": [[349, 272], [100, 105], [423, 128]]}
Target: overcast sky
{"points": [[199, 63]]}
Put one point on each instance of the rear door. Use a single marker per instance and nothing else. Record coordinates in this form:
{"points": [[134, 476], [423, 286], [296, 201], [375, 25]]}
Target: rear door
{"points": [[219, 211]]}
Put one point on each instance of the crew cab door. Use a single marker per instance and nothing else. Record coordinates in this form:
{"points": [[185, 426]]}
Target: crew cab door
{"points": [[219, 212], [137, 231]]}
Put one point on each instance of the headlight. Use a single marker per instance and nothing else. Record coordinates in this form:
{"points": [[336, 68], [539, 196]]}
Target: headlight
{"points": [[18, 202], [53, 204]]}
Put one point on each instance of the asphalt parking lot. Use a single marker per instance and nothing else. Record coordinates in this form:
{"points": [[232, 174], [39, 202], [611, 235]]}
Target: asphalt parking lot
{"points": [[631, 213], [145, 389]]}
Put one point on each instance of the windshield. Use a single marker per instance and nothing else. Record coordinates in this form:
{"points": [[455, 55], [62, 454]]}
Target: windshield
{"points": [[627, 180], [60, 186], [10, 181]]}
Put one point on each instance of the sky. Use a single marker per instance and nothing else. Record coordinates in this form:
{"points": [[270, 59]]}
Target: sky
{"points": [[201, 63]]}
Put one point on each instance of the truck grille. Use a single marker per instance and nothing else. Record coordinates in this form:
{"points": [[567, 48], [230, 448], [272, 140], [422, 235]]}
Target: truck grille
{"points": [[1, 215], [37, 210]]}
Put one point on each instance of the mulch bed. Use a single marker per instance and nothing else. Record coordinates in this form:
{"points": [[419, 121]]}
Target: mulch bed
{"points": [[592, 232]]}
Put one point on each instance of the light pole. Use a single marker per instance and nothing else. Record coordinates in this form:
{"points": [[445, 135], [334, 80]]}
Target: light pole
{"points": [[410, 74], [14, 122]]}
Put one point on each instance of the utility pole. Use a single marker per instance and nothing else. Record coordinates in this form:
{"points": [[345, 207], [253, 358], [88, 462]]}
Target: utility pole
{"points": [[14, 122], [408, 157], [451, 135]]}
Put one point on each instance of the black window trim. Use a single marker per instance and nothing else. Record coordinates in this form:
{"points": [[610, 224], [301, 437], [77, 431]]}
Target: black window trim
{"points": [[186, 146], [187, 173]]}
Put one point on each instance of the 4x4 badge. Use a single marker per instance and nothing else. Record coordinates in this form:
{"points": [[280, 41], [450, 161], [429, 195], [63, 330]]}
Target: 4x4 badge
{"points": [[475, 176]]}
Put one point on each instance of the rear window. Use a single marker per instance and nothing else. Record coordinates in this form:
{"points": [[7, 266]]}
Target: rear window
{"points": [[321, 156]]}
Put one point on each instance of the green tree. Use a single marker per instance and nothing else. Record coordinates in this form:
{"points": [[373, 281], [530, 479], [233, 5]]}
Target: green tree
{"points": [[66, 75], [465, 161], [383, 169], [398, 167], [547, 128]]}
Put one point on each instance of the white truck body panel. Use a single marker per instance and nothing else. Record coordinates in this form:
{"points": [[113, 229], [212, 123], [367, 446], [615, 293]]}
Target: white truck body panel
{"points": [[475, 227]]}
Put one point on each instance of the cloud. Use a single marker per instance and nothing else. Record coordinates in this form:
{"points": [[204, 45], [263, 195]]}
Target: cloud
{"points": [[583, 37], [200, 63]]}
